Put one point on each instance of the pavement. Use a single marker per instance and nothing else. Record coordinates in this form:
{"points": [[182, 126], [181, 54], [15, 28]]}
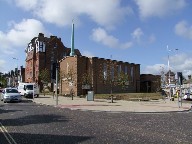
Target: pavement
{"points": [[152, 106]]}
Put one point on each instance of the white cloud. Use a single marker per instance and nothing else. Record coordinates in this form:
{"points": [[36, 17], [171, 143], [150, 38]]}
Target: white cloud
{"points": [[153, 69], [159, 8], [26, 4], [19, 35], [100, 35], [183, 29], [178, 63], [61, 12], [137, 34], [152, 38], [2, 63], [87, 53]]}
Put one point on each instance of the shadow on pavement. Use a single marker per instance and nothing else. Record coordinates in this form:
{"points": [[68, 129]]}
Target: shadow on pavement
{"points": [[45, 97], [23, 138], [34, 119], [7, 111], [26, 101]]}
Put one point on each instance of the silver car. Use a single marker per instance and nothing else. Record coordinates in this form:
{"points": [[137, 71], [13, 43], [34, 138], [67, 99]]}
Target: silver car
{"points": [[10, 94]]}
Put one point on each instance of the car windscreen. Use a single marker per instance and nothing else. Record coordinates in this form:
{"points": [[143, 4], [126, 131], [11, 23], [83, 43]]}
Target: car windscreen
{"points": [[29, 87], [11, 91]]}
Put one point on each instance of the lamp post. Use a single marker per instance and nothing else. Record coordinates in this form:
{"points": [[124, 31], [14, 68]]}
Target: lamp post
{"points": [[162, 77], [17, 68], [169, 79], [169, 72], [54, 71], [56, 78]]}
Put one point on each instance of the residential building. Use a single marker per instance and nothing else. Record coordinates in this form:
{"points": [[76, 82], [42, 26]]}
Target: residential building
{"points": [[170, 78], [42, 53]]}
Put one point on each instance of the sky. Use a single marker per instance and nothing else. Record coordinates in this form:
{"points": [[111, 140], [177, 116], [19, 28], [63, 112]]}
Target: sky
{"points": [[151, 33]]}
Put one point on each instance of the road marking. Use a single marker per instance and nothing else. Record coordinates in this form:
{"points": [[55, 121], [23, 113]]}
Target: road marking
{"points": [[8, 137]]}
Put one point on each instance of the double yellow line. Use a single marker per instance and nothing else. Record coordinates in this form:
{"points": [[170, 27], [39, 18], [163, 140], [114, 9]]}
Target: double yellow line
{"points": [[8, 137]]}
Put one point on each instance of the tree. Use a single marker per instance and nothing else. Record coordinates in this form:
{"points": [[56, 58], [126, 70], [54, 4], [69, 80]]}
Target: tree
{"points": [[3, 81], [44, 75], [70, 78], [111, 74], [86, 79], [123, 80]]}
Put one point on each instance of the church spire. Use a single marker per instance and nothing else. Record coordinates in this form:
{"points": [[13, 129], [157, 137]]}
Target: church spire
{"points": [[72, 40]]}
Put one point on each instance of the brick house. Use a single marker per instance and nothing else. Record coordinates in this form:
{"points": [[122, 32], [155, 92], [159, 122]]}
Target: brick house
{"points": [[170, 75], [15, 76], [74, 68], [41, 53]]}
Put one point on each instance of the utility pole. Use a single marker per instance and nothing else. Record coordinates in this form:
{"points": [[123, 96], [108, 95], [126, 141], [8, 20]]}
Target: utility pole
{"points": [[180, 81], [57, 66]]}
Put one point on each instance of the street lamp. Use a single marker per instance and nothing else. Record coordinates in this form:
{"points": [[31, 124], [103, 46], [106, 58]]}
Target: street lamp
{"points": [[169, 72], [54, 71], [162, 77], [17, 67], [169, 80]]}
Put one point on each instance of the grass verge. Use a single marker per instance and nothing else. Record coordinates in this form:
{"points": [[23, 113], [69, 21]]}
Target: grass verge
{"points": [[131, 96]]}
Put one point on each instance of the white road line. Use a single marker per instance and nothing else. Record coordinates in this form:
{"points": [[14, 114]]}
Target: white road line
{"points": [[8, 137], [5, 136]]}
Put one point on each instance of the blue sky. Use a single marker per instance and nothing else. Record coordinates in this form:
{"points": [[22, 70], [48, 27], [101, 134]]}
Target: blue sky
{"points": [[135, 31]]}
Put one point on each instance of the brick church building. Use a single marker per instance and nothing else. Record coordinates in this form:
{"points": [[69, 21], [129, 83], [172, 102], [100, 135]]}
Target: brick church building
{"points": [[80, 74], [43, 52]]}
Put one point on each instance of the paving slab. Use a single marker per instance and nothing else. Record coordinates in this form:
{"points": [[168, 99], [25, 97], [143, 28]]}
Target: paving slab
{"points": [[118, 105]]}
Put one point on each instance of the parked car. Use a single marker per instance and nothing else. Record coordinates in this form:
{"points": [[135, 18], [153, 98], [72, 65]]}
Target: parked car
{"points": [[10, 94], [187, 96]]}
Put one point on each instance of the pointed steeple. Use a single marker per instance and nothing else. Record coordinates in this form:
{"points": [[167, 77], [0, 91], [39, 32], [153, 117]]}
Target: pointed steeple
{"points": [[72, 40]]}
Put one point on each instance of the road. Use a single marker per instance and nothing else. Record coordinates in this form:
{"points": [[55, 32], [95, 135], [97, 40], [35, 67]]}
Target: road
{"points": [[30, 123]]}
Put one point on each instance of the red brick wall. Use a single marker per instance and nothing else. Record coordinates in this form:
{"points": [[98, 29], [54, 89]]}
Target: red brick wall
{"points": [[150, 83], [38, 61], [94, 67]]}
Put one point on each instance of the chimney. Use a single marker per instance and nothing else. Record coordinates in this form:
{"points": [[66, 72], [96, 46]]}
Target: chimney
{"points": [[41, 35]]}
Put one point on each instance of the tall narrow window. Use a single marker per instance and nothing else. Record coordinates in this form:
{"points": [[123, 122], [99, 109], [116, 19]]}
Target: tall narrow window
{"points": [[126, 70], [105, 71], [37, 45], [132, 73], [67, 68], [119, 70], [112, 72], [30, 47], [41, 46], [55, 45]]}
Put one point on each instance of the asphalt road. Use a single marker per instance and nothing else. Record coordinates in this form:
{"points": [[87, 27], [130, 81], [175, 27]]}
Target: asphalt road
{"points": [[30, 123]]}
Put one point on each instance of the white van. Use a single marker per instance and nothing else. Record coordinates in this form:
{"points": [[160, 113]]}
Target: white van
{"points": [[26, 89]]}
